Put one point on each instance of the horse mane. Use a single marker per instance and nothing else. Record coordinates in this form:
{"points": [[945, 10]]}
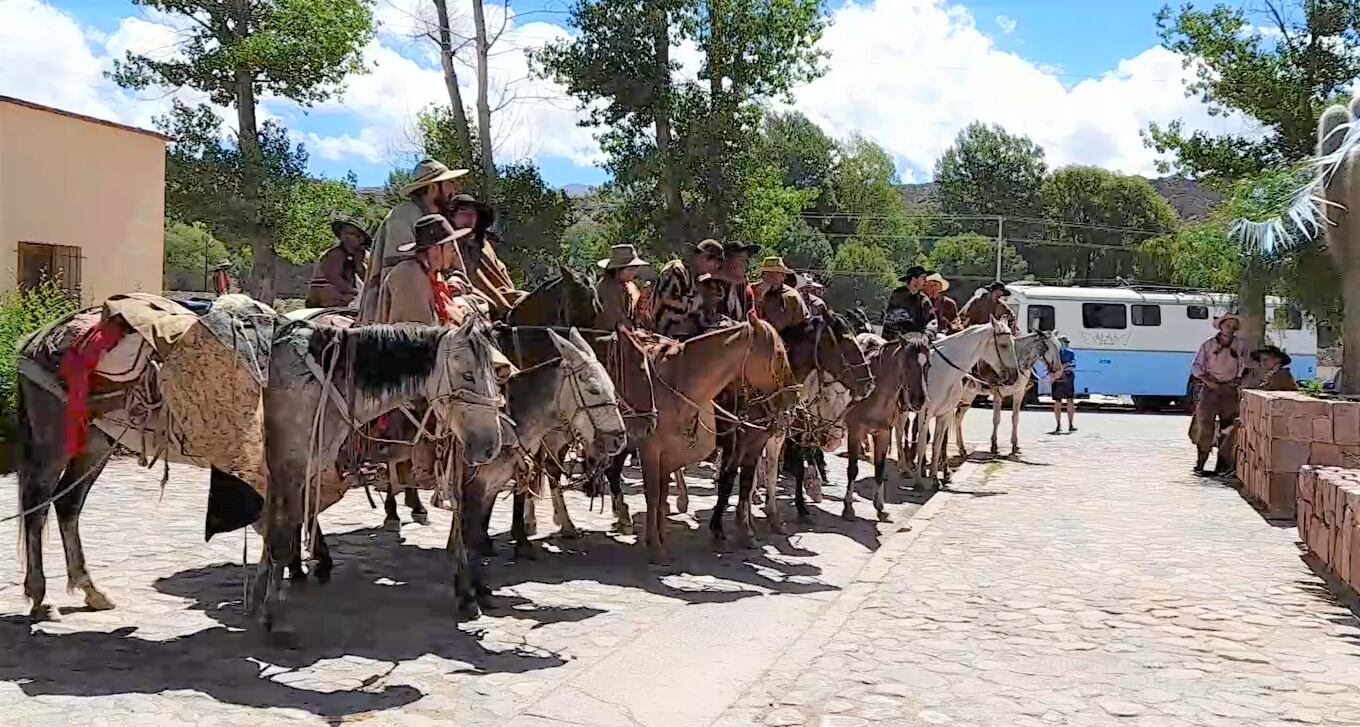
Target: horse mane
{"points": [[381, 359], [556, 288], [914, 342]]}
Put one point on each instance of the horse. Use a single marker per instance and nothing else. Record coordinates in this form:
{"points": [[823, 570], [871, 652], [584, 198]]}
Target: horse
{"points": [[325, 384], [49, 476], [952, 360], [825, 356], [1029, 350], [690, 375], [571, 394], [566, 300], [899, 367], [631, 374]]}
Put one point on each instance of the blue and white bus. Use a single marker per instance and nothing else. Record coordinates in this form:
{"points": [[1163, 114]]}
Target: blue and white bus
{"points": [[1138, 343]]}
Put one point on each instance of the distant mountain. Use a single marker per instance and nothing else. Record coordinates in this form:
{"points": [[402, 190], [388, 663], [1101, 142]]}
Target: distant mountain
{"points": [[575, 191], [1191, 200]]}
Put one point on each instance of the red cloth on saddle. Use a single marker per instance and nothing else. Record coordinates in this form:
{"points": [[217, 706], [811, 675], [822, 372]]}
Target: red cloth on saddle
{"points": [[77, 365]]}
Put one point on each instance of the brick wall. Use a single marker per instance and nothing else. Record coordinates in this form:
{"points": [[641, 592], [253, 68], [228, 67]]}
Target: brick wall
{"points": [[1329, 519], [1280, 432]]}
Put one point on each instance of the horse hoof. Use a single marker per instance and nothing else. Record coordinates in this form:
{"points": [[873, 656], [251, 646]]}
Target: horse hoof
{"points": [[487, 602], [44, 612], [323, 574], [883, 516], [848, 513], [526, 551], [392, 525], [468, 610], [420, 517], [569, 533], [625, 527], [98, 601], [488, 550]]}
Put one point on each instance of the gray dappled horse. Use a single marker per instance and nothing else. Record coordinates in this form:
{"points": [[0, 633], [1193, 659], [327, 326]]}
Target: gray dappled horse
{"points": [[325, 384]]}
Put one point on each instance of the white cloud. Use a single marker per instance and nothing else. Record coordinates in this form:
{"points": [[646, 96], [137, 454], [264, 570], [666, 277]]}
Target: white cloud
{"points": [[912, 73], [1006, 23]]}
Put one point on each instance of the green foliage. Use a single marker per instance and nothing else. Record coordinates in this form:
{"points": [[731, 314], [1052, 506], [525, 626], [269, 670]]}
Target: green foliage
{"points": [[1312, 387], [533, 218], [303, 213], [770, 208], [1280, 62], [190, 253], [21, 313], [806, 248], [1199, 256], [974, 256], [1117, 213], [296, 49], [990, 171], [584, 244], [799, 148], [861, 274], [869, 208]]}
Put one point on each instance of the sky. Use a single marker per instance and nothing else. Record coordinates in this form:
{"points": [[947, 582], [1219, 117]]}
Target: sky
{"points": [[1079, 77]]}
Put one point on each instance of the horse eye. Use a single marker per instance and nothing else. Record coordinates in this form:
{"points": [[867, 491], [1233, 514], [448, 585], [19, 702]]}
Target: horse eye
{"points": [[593, 390]]}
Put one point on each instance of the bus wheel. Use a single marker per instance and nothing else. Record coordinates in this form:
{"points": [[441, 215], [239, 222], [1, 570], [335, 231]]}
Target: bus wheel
{"points": [[1150, 403]]}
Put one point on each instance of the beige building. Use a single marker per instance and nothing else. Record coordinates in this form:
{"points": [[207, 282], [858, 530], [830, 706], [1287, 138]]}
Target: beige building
{"points": [[82, 202]]}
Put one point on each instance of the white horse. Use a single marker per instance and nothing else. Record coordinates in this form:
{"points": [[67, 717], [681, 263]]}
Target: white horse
{"points": [[1029, 350], [952, 360]]}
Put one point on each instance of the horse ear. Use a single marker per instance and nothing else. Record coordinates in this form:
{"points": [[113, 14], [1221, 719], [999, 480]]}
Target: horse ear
{"points": [[580, 342], [562, 345]]}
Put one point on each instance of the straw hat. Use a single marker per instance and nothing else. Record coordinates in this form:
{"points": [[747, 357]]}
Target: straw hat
{"points": [[1218, 321], [430, 171], [937, 278], [774, 264], [223, 265], [622, 256], [432, 231]]}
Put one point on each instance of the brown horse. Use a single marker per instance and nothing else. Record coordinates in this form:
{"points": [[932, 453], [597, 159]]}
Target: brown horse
{"points": [[688, 377], [567, 300], [899, 369]]}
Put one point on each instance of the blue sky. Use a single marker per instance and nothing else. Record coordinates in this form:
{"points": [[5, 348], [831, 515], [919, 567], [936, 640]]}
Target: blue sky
{"points": [[1079, 77]]}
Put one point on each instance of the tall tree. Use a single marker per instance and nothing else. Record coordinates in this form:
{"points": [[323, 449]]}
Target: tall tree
{"points": [[1279, 62], [974, 257], [447, 56], [235, 50], [483, 46], [992, 172], [1107, 215], [868, 204]]}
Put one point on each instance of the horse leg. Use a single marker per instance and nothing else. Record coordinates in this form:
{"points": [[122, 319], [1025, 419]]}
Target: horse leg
{"points": [[34, 489], [391, 522], [464, 594], [653, 483], [81, 472], [882, 440], [938, 462], [531, 516], [924, 469], [565, 527], [322, 553], [681, 492], [484, 542], [769, 465], [958, 433], [900, 435], [418, 512], [726, 475], [798, 471], [996, 420], [519, 532], [281, 543], [623, 520], [474, 502], [853, 443], [746, 471], [1015, 425], [294, 569]]}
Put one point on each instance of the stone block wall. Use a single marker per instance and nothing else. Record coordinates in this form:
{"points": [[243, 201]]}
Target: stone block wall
{"points": [[1328, 513], [1280, 432]]}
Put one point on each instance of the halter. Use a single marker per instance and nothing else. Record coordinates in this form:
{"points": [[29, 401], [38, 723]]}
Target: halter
{"points": [[846, 365], [996, 342]]}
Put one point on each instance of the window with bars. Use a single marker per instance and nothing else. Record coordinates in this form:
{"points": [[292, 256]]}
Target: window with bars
{"points": [[39, 262]]}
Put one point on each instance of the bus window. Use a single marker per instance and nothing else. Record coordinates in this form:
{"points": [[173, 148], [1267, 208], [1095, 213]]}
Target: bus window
{"points": [[1104, 315], [1197, 312], [1147, 315], [1288, 318], [1041, 318]]}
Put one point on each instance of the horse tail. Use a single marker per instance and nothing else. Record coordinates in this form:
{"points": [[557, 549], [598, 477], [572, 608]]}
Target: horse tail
{"points": [[24, 478]]}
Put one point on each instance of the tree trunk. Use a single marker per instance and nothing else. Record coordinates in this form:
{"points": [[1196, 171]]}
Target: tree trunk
{"points": [[1350, 331], [674, 214], [1251, 303], [460, 120], [484, 103], [260, 285]]}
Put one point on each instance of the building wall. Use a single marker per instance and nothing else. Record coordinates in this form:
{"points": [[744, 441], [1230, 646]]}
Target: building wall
{"points": [[67, 181]]}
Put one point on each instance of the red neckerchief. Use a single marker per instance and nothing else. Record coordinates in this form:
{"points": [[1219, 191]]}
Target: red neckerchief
{"points": [[444, 293]]}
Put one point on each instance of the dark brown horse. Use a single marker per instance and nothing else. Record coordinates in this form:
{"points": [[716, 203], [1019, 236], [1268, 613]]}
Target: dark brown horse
{"points": [[899, 369]]}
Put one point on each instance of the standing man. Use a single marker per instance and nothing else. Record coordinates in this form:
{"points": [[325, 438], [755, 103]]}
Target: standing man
{"points": [[618, 293], [430, 189], [991, 304], [1218, 367], [337, 275], [946, 310], [778, 304], [909, 310], [221, 278], [677, 305], [1065, 387]]}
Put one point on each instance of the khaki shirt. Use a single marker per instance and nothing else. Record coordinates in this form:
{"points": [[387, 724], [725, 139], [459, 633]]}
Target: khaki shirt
{"points": [[407, 296], [782, 308], [618, 300], [397, 229], [488, 275]]}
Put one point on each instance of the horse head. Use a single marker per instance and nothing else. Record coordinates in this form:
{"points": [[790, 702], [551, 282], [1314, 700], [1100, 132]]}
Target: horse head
{"points": [[1050, 352], [839, 353], [464, 392], [633, 378], [1001, 355], [766, 367], [566, 300], [915, 357], [588, 401]]}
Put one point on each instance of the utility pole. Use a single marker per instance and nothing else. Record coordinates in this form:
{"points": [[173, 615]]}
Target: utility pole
{"points": [[1000, 243]]}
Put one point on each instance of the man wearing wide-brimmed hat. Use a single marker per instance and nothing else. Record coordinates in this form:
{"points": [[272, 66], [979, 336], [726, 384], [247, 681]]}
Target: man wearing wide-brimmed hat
{"points": [[776, 303], [946, 310], [989, 305], [678, 305], [909, 310], [739, 298], [812, 291], [415, 290], [337, 275], [432, 185], [616, 289], [481, 262], [221, 278], [1218, 368]]}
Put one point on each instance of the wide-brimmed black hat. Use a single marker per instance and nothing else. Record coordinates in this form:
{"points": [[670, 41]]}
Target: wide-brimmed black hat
{"points": [[486, 216], [915, 271], [432, 231], [709, 247], [998, 285], [1275, 351], [735, 247]]}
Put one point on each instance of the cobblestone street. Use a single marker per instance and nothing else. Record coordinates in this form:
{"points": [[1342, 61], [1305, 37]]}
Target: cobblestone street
{"points": [[1094, 582]]}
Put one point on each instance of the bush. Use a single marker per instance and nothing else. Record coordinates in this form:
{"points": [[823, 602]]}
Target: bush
{"points": [[22, 313]]}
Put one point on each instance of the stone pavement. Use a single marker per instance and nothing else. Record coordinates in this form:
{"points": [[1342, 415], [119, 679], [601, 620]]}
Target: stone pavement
{"points": [[1097, 583], [586, 635]]}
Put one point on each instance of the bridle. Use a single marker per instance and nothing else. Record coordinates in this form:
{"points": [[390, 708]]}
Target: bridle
{"points": [[584, 404], [859, 373], [996, 343]]}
